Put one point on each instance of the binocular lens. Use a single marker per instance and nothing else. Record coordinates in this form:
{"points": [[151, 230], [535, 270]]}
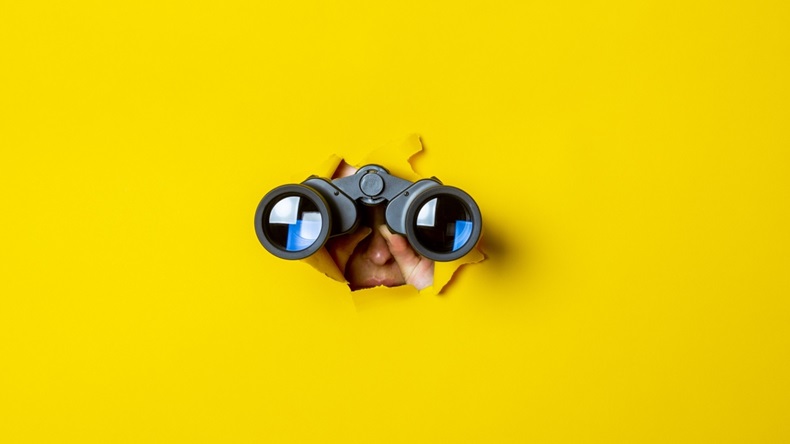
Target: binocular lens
{"points": [[440, 222], [293, 223], [443, 224]]}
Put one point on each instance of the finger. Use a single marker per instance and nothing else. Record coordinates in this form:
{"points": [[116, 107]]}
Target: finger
{"points": [[341, 248], [416, 270]]}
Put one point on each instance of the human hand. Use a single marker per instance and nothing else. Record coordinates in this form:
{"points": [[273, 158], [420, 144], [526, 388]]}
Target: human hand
{"points": [[417, 270], [370, 257]]}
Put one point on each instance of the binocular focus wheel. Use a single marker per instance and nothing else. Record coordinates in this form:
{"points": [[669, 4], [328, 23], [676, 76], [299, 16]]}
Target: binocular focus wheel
{"points": [[293, 221]]}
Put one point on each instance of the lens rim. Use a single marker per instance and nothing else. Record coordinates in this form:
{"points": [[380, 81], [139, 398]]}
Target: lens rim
{"points": [[273, 197], [471, 207]]}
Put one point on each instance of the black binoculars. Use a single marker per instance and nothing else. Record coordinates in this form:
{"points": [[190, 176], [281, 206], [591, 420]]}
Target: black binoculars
{"points": [[441, 222]]}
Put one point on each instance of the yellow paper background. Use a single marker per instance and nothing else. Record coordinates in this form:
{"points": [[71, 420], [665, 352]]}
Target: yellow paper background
{"points": [[630, 160]]}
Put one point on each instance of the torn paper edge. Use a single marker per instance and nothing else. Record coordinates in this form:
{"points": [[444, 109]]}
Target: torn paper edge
{"points": [[398, 158]]}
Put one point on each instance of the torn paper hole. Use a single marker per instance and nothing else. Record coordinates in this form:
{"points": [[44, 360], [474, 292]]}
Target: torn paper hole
{"points": [[362, 259]]}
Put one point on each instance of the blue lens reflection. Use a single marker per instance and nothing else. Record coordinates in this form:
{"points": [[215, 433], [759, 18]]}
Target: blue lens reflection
{"points": [[443, 224], [294, 223], [304, 232], [463, 231]]}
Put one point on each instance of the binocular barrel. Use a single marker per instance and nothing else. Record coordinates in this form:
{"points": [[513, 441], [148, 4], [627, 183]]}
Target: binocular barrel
{"points": [[442, 223]]}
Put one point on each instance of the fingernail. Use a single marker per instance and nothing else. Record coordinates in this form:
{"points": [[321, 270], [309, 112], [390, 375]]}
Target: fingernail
{"points": [[385, 233]]}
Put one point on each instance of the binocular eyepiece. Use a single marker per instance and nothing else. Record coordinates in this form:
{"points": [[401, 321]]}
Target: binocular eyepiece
{"points": [[441, 222]]}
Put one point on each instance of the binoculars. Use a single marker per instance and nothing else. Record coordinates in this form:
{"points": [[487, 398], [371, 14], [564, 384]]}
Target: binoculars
{"points": [[441, 222]]}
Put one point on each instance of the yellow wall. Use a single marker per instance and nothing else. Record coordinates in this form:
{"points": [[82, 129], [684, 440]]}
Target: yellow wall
{"points": [[631, 161]]}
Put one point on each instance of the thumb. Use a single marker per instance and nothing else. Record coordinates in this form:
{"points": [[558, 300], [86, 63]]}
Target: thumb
{"points": [[416, 270]]}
